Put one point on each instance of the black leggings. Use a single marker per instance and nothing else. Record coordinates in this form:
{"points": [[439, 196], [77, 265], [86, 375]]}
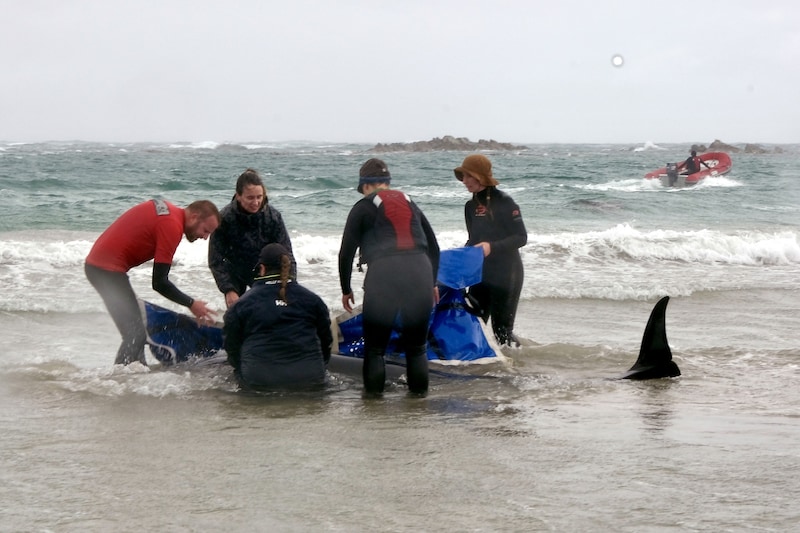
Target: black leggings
{"points": [[397, 287], [498, 295], [116, 291]]}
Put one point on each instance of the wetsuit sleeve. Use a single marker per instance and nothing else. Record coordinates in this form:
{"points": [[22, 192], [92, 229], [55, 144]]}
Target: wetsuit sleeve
{"points": [[217, 244], [515, 234], [433, 246], [351, 239], [233, 337], [163, 286]]}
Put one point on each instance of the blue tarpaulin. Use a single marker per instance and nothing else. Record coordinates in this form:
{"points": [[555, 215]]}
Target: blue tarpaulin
{"points": [[174, 338], [460, 268], [455, 334]]}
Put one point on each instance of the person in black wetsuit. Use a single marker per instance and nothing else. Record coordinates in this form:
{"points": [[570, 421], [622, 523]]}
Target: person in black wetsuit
{"points": [[494, 223], [248, 224], [399, 245], [278, 334], [692, 164]]}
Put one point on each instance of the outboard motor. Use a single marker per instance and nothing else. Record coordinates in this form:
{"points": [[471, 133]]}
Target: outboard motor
{"points": [[672, 173]]}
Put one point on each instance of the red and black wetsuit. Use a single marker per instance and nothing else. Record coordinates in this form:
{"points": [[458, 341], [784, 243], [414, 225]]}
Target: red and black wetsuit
{"points": [[493, 216], [399, 245], [150, 230]]}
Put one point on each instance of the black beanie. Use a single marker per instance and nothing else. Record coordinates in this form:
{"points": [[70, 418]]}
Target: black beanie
{"points": [[373, 171]]}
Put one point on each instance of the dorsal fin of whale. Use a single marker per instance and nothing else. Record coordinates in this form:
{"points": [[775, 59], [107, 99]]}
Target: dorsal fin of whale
{"points": [[655, 357]]}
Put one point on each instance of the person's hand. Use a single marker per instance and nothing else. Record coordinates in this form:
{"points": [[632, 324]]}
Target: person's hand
{"points": [[435, 295], [487, 248], [347, 302], [202, 312], [231, 297]]}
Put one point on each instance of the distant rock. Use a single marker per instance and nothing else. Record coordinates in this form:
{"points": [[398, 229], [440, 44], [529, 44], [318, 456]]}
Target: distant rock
{"points": [[230, 147], [446, 143], [754, 149], [719, 146], [749, 148]]}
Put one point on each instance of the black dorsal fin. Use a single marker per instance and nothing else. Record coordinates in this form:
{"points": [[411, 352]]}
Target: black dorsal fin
{"points": [[655, 356]]}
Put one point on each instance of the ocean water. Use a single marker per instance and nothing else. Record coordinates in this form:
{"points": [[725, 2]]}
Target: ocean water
{"points": [[540, 442]]}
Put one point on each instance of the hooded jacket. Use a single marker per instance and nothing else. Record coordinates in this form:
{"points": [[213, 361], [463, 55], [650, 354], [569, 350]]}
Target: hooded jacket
{"points": [[234, 247]]}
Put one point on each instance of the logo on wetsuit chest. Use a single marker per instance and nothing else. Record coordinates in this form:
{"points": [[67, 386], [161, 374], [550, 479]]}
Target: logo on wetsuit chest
{"points": [[480, 211], [280, 303]]}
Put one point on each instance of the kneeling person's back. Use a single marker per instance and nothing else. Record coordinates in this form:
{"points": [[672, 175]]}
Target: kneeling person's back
{"points": [[278, 334]]}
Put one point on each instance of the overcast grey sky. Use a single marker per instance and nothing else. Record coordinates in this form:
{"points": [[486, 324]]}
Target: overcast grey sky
{"points": [[523, 71]]}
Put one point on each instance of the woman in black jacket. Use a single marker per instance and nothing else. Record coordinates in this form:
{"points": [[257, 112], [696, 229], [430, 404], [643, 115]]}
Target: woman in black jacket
{"points": [[278, 334], [247, 224]]}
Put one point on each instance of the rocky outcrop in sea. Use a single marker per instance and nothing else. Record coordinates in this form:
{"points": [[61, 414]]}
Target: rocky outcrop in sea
{"points": [[446, 143], [749, 148], [719, 146]]}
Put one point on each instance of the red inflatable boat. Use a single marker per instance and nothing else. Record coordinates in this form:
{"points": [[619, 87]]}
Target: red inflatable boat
{"points": [[670, 176]]}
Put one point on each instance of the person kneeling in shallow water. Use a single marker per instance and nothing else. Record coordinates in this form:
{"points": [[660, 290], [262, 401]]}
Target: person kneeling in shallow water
{"points": [[278, 334]]}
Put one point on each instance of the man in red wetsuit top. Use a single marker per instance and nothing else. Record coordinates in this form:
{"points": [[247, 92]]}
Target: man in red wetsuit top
{"points": [[150, 230]]}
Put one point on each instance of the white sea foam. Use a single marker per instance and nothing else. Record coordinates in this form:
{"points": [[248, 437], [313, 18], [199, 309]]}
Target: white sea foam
{"points": [[203, 145], [641, 184], [106, 380], [719, 181], [648, 145], [45, 274], [625, 243]]}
